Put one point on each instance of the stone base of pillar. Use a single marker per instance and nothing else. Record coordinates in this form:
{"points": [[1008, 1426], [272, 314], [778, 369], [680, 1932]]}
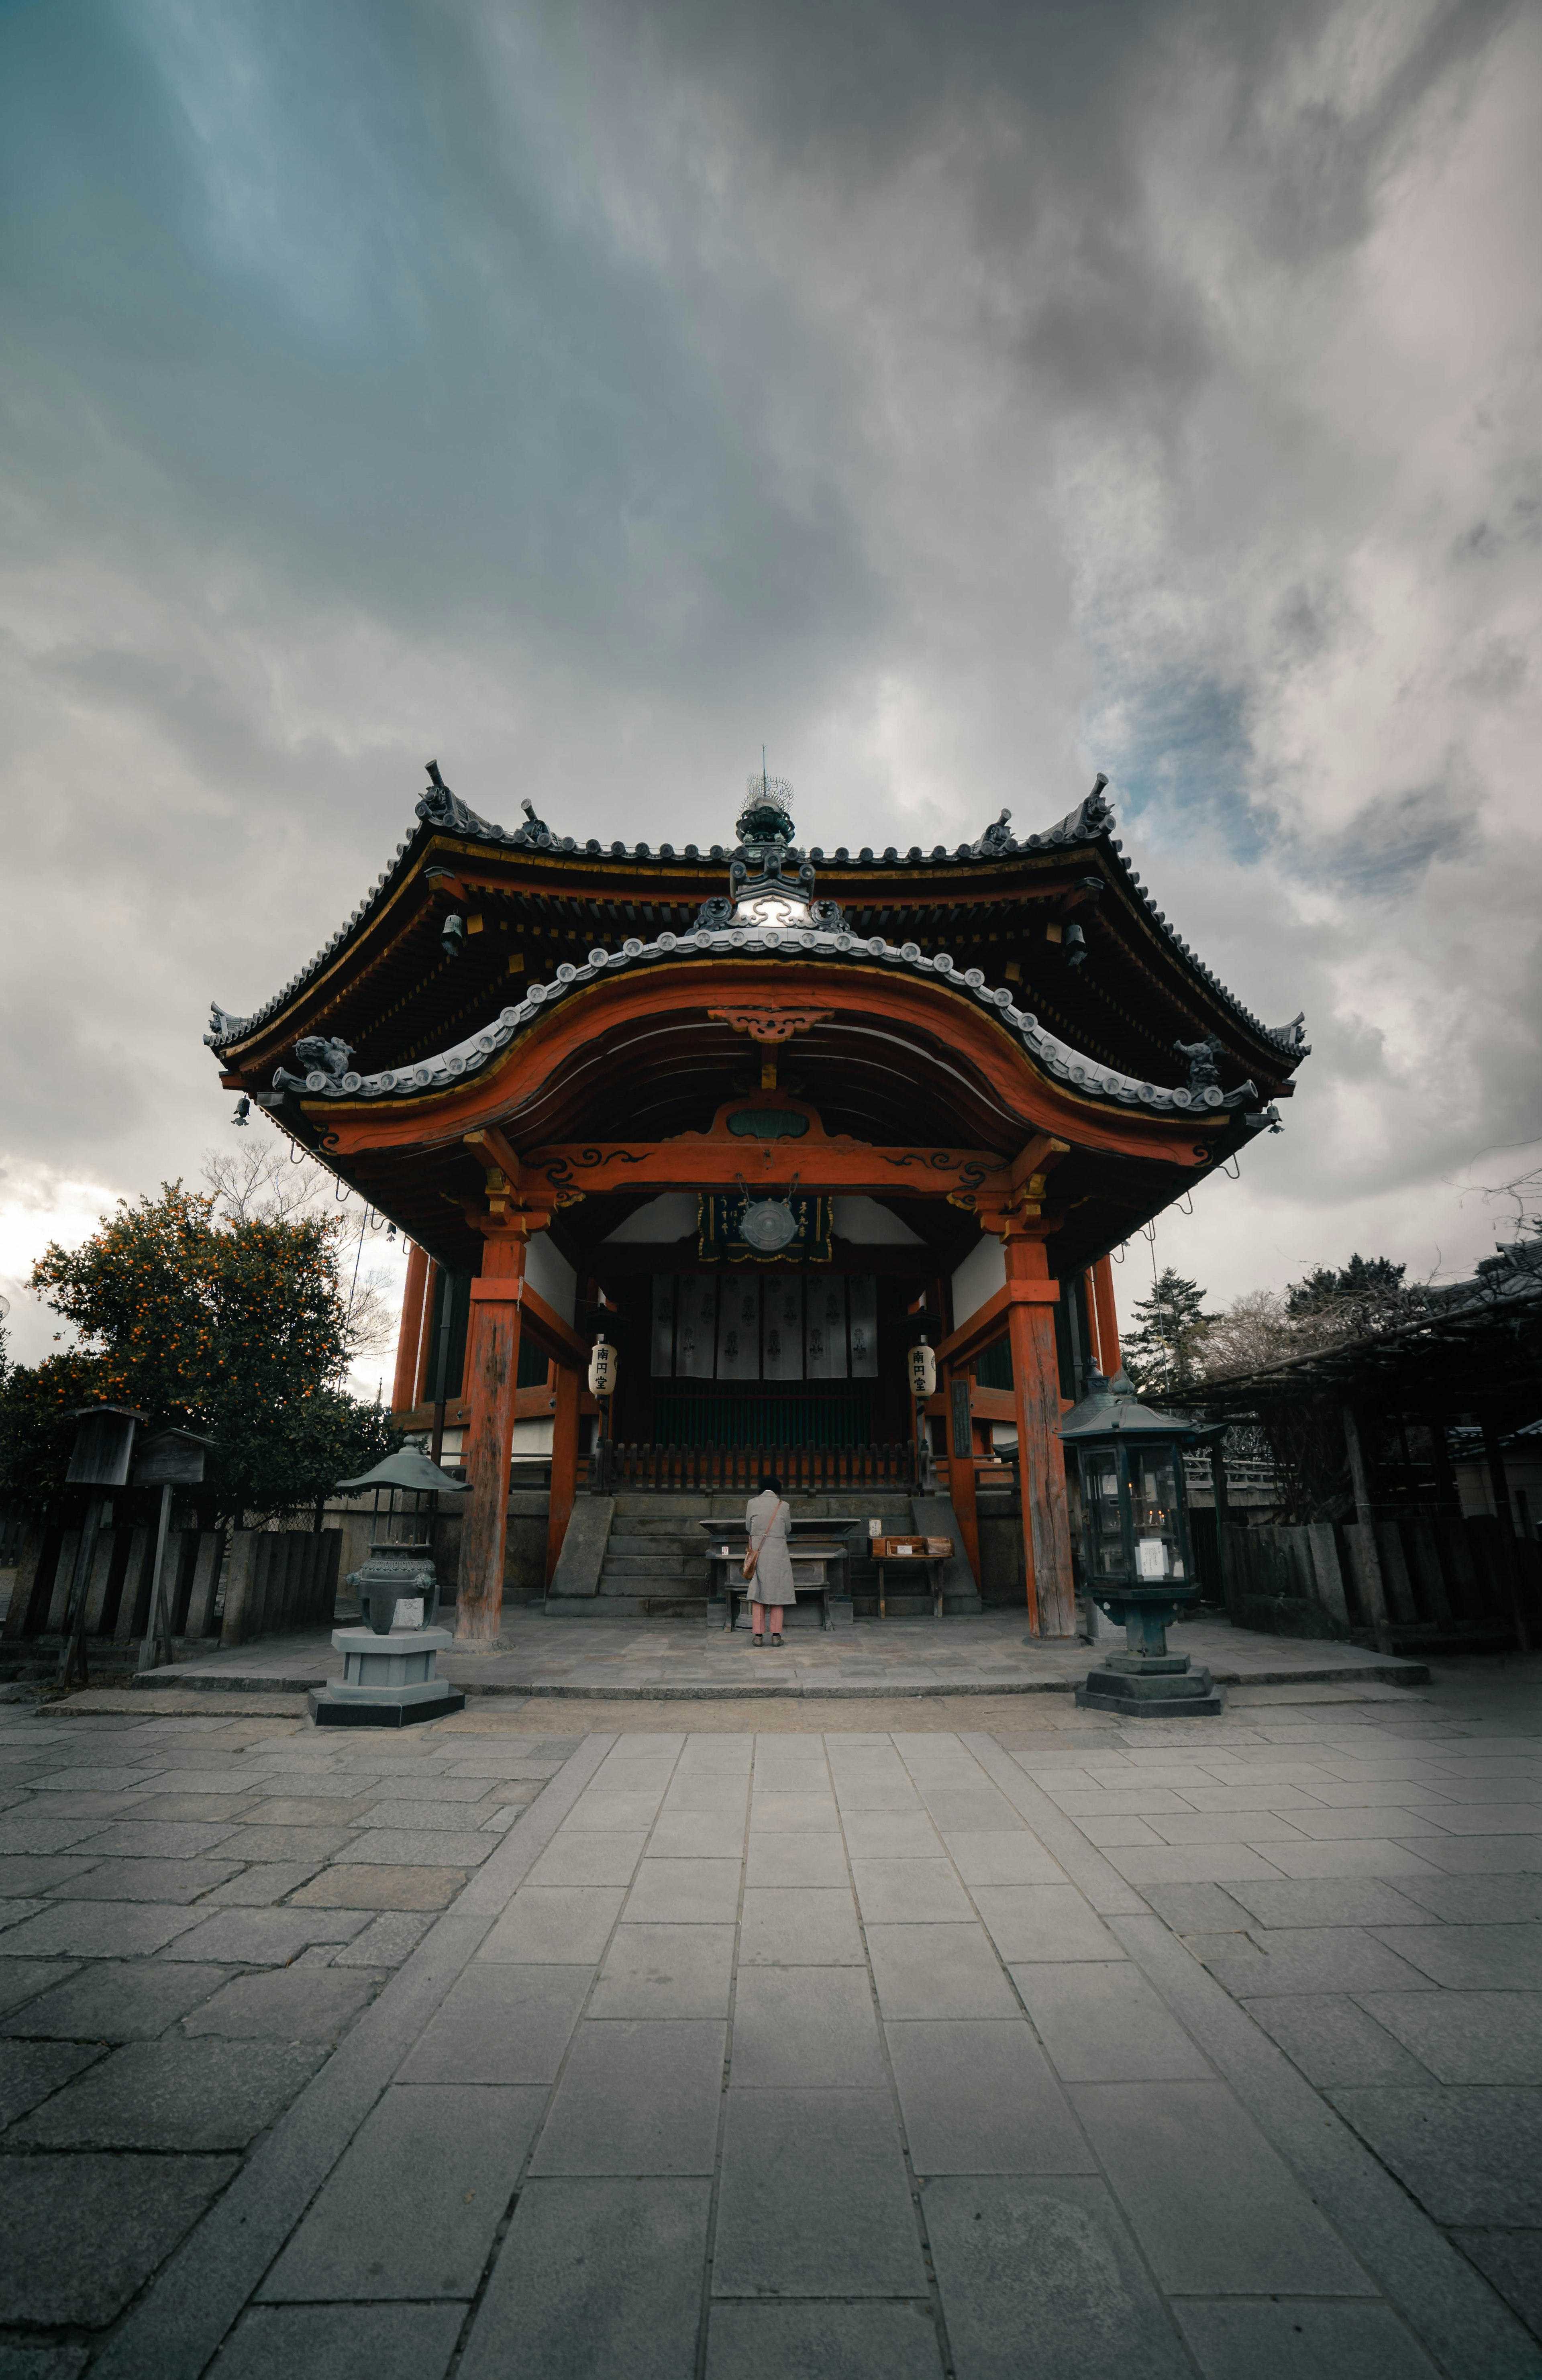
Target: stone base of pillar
{"points": [[1131, 1686], [388, 1681]]}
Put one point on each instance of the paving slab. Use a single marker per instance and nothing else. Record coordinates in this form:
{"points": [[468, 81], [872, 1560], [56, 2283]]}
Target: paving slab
{"points": [[1476, 1957], [22, 1979], [910, 1891], [1334, 2042], [685, 1892], [129, 1999], [354, 2342], [813, 2026], [385, 1942], [1002, 1858], [1318, 1958], [1471, 2157], [501, 2026], [298, 2003], [1513, 2261], [1102, 2022], [265, 1937], [586, 1858], [1029, 1922], [193, 2096], [796, 1925], [666, 1970], [105, 1929], [95, 2228], [557, 1924], [165, 1880], [938, 1971], [1053, 2262], [463, 2149], [1215, 2208], [1299, 2340], [814, 2200], [777, 1859], [980, 2097], [32, 2070], [543, 2317], [345, 1886], [636, 2099], [819, 2340], [1329, 1901]]}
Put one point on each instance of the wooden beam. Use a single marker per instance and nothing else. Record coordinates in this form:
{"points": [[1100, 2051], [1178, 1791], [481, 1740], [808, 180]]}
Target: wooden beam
{"points": [[992, 1320]]}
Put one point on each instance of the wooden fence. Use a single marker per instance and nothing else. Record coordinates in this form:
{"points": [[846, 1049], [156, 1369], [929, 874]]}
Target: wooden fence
{"points": [[117, 1590], [1443, 1577], [279, 1580], [275, 1579]]}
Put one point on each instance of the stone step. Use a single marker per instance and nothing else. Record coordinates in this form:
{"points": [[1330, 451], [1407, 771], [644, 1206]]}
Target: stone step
{"points": [[648, 1572]]}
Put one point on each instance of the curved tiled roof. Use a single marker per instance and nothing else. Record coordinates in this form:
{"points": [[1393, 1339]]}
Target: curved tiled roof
{"points": [[1091, 821], [452, 1065]]}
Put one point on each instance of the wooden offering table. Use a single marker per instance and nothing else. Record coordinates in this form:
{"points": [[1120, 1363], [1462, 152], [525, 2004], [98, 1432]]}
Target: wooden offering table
{"points": [[914, 1554], [820, 1557]]}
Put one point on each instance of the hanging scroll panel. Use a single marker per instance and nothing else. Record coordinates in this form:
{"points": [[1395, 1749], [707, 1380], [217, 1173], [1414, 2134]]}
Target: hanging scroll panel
{"points": [[825, 1330], [783, 1297]]}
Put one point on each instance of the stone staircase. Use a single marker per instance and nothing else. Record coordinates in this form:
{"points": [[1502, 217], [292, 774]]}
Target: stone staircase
{"points": [[654, 1564]]}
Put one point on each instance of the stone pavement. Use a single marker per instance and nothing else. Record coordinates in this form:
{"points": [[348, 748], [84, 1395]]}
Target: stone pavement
{"points": [[990, 1654], [1063, 2047]]}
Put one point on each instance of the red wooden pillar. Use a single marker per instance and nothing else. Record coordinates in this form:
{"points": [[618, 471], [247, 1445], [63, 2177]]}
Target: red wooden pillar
{"points": [[1040, 1457], [564, 1461], [491, 1371], [960, 1465], [404, 1388], [1100, 1283]]}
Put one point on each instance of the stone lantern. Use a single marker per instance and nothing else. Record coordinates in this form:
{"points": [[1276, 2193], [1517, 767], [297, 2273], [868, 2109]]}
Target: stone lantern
{"points": [[1137, 1563]]}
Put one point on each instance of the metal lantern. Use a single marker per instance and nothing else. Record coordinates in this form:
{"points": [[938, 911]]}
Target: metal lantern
{"points": [[401, 1552], [1138, 1561]]}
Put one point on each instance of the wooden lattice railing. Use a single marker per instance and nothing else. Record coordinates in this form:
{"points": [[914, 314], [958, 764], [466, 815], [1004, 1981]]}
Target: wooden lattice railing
{"points": [[802, 1470]]}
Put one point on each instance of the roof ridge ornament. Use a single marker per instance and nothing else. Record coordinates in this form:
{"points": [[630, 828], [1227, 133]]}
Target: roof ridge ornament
{"points": [[997, 841], [767, 816], [441, 808]]}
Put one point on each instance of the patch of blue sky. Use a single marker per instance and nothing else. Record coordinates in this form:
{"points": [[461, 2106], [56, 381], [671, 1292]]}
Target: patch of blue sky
{"points": [[1178, 752]]}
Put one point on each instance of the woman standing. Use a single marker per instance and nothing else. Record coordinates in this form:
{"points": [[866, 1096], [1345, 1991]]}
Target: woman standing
{"points": [[767, 1519]]}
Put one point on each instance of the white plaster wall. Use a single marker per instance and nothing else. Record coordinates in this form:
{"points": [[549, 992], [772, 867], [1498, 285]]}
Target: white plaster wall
{"points": [[870, 1225], [665, 1219], [551, 1276], [981, 1274]]}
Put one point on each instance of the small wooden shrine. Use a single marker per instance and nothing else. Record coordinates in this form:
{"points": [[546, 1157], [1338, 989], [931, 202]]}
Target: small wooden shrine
{"points": [[766, 1116]]}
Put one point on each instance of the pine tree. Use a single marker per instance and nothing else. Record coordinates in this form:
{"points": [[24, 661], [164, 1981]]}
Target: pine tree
{"points": [[1164, 1354]]}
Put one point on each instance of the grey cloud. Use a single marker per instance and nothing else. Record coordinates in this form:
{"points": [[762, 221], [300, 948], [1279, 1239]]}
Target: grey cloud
{"points": [[584, 390]]}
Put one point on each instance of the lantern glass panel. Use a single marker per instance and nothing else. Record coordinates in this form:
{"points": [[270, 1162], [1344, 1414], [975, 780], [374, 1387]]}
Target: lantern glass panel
{"points": [[1104, 1511], [1154, 1503]]}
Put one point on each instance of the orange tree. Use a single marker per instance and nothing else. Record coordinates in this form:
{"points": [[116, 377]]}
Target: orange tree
{"points": [[239, 1331]]}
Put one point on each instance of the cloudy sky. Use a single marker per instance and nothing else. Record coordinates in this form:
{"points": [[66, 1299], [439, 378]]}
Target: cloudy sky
{"points": [[954, 399]]}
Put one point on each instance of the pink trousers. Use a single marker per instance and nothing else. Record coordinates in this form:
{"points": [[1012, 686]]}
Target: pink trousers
{"points": [[758, 1613]]}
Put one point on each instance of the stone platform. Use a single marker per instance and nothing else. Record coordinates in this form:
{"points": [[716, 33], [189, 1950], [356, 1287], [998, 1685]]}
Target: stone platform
{"points": [[628, 1659]]}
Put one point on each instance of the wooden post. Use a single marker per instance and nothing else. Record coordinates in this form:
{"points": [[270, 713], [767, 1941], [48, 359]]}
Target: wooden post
{"points": [[1101, 1283], [1500, 1489], [405, 1386], [492, 1369], [1223, 1512], [565, 1463], [1369, 1565], [961, 1463], [1052, 1590], [424, 1359], [156, 1644]]}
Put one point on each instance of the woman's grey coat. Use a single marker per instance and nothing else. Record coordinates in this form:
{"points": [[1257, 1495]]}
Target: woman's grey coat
{"points": [[768, 1520]]}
